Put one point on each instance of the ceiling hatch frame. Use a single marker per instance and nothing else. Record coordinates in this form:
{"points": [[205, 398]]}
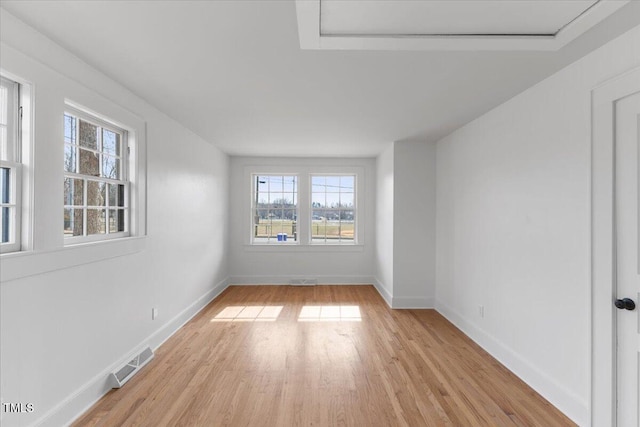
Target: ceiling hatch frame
{"points": [[311, 38]]}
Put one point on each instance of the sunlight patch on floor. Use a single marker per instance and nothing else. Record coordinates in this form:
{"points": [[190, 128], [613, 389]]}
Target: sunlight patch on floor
{"points": [[249, 313], [330, 313]]}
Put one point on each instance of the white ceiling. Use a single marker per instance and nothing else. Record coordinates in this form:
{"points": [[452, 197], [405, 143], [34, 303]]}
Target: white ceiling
{"points": [[233, 72]]}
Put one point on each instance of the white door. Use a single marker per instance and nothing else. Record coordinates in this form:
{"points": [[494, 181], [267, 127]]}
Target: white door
{"points": [[627, 256]]}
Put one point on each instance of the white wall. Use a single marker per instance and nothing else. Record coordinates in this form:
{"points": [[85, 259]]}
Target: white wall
{"points": [[414, 229], [384, 223], [279, 264], [64, 328], [513, 203]]}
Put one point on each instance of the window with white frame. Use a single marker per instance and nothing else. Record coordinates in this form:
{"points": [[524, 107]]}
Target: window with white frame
{"points": [[10, 166], [96, 183], [275, 209], [333, 209]]}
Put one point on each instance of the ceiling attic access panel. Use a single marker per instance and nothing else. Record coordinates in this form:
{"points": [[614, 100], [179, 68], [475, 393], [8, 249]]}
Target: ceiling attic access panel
{"points": [[447, 25]]}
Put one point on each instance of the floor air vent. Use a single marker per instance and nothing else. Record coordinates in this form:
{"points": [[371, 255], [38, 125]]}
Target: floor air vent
{"points": [[124, 374], [303, 282]]}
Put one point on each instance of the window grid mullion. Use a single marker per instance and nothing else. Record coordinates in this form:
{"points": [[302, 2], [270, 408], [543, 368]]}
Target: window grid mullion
{"points": [[95, 178], [76, 142], [84, 207], [100, 153], [107, 188]]}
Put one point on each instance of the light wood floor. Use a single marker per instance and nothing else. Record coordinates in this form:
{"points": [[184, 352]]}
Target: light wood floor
{"points": [[314, 366]]}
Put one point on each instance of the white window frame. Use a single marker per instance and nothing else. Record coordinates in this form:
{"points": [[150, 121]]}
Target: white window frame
{"points": [[304, 171], [124, 180], [254, 208], [354, 209], [13, 163]]}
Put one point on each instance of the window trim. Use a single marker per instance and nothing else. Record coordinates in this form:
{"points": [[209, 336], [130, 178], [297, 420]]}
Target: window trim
{"points": [[304, 171], [339, 242], [14, 163], [15, 203], [43, 249], [254, 182], [125, 169]]}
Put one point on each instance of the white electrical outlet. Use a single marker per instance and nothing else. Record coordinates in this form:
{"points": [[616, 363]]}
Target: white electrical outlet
{"points": [[481, 310], [154, 313]]}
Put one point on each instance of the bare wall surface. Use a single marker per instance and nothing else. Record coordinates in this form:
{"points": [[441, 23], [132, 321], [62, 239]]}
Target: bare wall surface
{"points": [[384, 222], [63, 330], [513, 203], [414, 218]]}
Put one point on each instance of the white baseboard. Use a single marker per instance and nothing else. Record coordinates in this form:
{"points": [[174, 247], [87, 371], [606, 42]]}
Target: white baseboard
{"points": [[383, 291], [285, 279], [566, 401], [412, 302], [79, 402]]}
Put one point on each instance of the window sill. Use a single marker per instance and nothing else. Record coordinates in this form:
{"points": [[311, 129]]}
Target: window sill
{"points": [[314, 247], [16, 265]]}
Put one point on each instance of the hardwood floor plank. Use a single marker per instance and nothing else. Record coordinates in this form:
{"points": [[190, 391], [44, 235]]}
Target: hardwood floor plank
{"points": [[300, 356]]}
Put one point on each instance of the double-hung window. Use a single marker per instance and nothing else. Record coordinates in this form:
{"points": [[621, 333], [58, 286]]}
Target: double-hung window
{"points": [[333, 209], [96, 184], [275, 209], [10, 167], [313, 207]]}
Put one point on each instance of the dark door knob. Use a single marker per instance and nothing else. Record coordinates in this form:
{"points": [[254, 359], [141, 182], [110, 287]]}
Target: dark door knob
{"points": [[625, 304]]}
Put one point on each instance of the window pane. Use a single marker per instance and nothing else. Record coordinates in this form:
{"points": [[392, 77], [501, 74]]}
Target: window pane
{"points": [[70, 158], [318, 184], [346, 200], [69, 129], [289, 214], [116, 220], [110, 167], [334, 223], [274, 214], [346, 216], [317, 215], [96, 221], [333, 200], [318, 200], [110, 142], [94, 206], [4, 119], [347, 225], [89, 163], [347, 183], [72, 222], [333, 184], [116, 195], [318, 224], [288, 223], [289, 186], [73, 191], [88, 135], [275, 183], [332, 226], [121, 219], [96, 194], [4, 148], [5, 189], [277, 227], [276, 200], [4, 219], [262, 215], [260, 223]]}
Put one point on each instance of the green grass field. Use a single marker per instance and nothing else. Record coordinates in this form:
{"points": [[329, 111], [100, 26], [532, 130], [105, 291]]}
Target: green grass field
{"points": [[319, 229]]}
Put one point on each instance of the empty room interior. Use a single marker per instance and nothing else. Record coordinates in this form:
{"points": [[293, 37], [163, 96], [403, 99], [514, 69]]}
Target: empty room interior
{"points": [[320, 213]]}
